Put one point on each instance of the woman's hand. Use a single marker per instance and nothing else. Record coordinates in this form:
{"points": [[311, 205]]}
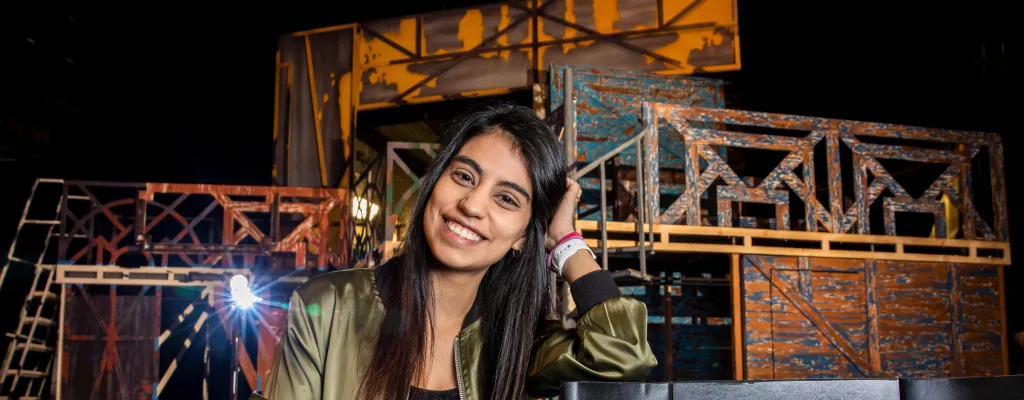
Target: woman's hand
{"points": [[565, 215], [581, 263]]}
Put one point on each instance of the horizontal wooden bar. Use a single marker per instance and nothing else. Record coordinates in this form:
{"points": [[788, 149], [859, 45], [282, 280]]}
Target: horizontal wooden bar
{"points": [[744, 238], [144, 276]]}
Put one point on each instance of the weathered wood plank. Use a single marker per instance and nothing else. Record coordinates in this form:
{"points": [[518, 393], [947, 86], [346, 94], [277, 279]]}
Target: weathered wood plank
{"points": [[908, 319], [816, 319]]}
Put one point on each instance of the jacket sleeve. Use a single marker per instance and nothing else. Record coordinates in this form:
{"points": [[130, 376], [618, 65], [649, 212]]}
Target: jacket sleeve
{"points": [[297, 372], [608, 344]]}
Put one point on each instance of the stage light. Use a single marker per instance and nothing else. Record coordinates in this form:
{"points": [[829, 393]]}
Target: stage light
{"points": [[359, 208], [241, 295]]}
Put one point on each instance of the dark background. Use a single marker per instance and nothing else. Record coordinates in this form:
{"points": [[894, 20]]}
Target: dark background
{"points": [[184, 92]]}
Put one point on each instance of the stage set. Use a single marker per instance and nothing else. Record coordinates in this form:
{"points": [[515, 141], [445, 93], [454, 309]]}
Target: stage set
{"points": [[767, 247]]}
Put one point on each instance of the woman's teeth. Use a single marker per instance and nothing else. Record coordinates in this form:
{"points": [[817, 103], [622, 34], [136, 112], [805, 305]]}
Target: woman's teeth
{"points": [[463, 232]]}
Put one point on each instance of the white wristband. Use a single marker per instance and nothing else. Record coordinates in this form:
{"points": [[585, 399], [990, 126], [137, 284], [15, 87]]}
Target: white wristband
{"points": [[567, 249]]}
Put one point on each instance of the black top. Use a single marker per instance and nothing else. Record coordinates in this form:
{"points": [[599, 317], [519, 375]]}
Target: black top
{"points": [[416, 393]]}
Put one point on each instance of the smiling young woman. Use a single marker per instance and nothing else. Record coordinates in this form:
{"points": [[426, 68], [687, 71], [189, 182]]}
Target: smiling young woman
{"points": [[458, 313]]}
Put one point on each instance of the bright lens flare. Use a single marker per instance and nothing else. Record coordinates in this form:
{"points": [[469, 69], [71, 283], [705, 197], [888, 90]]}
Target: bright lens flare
{"points": [[241, 295]]}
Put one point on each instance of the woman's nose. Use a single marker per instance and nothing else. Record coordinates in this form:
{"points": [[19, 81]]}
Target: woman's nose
{"points": [[474, 203]]}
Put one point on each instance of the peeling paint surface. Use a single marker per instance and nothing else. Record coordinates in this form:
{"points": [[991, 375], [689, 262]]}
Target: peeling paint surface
{"points": [[468, 52], [314, 112], [608, 104], [834, 318], [325, 75], [803, 140]]}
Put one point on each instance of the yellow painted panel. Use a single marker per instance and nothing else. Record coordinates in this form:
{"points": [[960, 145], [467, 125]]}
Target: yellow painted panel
{"points": [[376, 52], [399, 75], [345, 110], [606, 14], [386, 71]]}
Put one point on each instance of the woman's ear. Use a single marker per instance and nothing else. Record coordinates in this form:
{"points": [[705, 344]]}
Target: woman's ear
{"points": [[518, 245]]}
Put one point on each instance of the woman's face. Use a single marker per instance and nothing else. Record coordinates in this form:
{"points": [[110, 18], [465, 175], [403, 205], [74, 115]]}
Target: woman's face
{"points": [[480, 206]]}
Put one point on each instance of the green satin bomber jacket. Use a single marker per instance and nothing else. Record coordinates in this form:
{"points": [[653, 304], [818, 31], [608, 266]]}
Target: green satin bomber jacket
{"points": [[334, 319]]}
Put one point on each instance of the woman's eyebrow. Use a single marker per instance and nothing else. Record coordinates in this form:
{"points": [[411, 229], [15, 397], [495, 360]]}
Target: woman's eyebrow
{"points": [[516, 187], [476, 167], [470, 162]]}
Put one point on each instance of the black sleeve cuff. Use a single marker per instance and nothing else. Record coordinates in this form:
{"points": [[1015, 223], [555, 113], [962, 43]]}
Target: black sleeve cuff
{"points": [[593, 289]]}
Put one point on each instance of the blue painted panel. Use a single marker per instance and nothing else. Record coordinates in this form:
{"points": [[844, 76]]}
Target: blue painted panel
{"points": [[608, 108]]}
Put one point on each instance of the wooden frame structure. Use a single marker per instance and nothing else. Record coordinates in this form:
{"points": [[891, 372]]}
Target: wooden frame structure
{"points": [[841, 230], [325, 77], [209, 279], [110, 234], [170, 220], [961, 149]]}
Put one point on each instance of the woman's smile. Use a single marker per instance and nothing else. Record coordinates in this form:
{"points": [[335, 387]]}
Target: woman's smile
{"points": [[462, 233]]}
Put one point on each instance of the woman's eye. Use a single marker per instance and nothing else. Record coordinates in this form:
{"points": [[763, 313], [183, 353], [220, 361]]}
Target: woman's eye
{"points": [[508, 200], [462, 176]]}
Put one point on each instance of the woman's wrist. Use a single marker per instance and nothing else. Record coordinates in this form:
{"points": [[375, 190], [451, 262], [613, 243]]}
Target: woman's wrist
{"points": [[564, 255], [559, 235], [579, 265]]}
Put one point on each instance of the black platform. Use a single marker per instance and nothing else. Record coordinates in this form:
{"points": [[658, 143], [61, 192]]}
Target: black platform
{"points": [[1002, 387]]}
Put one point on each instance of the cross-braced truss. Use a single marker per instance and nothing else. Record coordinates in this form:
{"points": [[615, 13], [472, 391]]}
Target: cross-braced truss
{"points": [[836, 224], [153, 224]]}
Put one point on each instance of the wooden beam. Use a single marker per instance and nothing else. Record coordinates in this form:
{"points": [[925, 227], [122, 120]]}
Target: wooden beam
{"points": [[695, 239]]}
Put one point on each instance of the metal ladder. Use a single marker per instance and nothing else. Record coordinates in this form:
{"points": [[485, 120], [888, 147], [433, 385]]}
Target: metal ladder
{"points": [[30, 355]]}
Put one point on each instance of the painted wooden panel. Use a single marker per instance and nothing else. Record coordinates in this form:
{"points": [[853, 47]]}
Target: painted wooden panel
{"points": [[500, 47], [109, 346], [852, 318], [608, 113], [325, 75], [313, 114], [608, 108]]}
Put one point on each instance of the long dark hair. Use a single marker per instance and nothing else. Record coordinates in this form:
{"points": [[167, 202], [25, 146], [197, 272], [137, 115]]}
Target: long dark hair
{"points": [[515, 290]]}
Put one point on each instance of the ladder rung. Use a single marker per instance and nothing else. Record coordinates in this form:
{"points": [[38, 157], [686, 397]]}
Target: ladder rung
{"points": [[20, 261], [75, 236], [28, 373], [77, 197], [47, 267], [39, 321], [34, 347], [42, 222], [21, 336], [44, 293], [51, 180]]}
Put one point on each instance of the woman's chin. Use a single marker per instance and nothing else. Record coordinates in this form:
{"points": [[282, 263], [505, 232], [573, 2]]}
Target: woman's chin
{"points": [[460, 261]]}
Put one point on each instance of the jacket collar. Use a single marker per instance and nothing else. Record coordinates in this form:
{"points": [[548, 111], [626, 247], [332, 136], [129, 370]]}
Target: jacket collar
{"points": [[386, 271]]}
